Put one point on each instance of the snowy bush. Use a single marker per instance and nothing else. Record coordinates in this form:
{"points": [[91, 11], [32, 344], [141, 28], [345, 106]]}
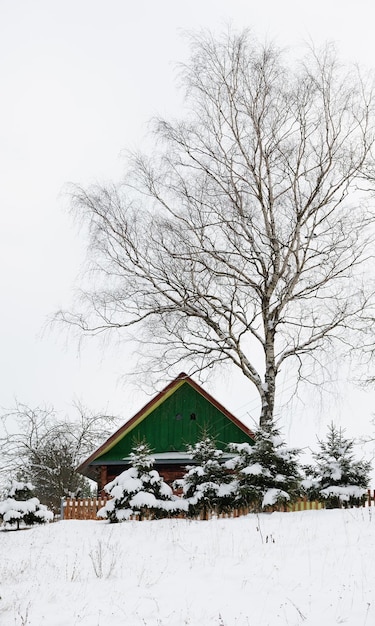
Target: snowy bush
{"points": [[206, 485], [21, 508], [337, 476], [140, 489], [267, 473]]}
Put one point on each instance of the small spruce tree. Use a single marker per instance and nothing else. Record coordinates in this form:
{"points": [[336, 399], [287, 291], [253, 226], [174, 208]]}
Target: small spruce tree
{"points": [[337, 476], [140, 489], [206, 486], [22, 508], [267, 473]]}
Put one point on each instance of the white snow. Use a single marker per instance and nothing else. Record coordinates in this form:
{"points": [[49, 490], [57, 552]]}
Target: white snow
{"points": [[227, 489], [272, 495], [16, 485], [278, 441], [242, 447], [253, 470], [142, 498], [16, 509], [296, 569], [166, 490], [127, 481], [334, 470], [343, 493]]}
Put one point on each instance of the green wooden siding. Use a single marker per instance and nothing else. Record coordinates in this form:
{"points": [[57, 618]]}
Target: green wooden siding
{"points": [[171, 426]]}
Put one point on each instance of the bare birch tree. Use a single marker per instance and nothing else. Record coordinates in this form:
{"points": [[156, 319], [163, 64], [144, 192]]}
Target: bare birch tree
{"points": [[242, 238]]}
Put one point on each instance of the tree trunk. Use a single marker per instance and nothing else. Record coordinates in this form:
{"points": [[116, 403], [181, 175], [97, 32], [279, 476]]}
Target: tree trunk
{"points": [[267, 393], [268, 402]]}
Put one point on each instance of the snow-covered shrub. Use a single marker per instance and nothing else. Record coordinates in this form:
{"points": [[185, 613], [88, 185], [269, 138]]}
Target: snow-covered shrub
{"points": [[337, 476], [267, 473], [206, 485], [139, 490], [21, 508]]}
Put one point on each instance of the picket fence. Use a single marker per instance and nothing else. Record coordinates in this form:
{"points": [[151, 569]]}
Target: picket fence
{"points": [[87, 508]]}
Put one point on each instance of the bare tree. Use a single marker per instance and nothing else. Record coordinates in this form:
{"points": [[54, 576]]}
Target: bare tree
{"points": [[41, 448], [243, 238]]}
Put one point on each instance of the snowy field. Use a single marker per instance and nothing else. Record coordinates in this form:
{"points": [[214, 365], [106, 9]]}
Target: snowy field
{"points": [[313, 567]]}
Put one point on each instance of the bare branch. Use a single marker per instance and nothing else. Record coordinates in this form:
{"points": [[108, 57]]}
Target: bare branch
{"points": [[42, 448]]}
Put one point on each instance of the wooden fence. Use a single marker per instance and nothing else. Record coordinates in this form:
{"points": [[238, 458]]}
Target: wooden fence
{"points": [[87, 508], [81, 508]]}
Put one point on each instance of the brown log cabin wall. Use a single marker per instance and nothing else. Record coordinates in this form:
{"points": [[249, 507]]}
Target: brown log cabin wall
{"points": [[108, 473], [103, 479]]}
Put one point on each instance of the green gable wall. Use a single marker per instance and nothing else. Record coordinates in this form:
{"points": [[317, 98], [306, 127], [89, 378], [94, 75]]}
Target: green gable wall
{"points": [[164, 433]]}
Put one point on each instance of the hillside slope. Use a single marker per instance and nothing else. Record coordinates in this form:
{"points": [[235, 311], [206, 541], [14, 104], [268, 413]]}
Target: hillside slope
{"points": [[313, 567]]}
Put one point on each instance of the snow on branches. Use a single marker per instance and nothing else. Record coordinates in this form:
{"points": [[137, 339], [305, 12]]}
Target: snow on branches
{"points": [[206, 484], [337, 476], [140, 489], [267, 473], [20, 508]]}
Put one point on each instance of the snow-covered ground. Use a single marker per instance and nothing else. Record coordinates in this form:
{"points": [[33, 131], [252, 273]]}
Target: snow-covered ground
{"points": [[311, 568]]}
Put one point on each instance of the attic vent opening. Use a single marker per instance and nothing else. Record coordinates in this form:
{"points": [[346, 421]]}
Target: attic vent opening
{"points": [[193, 416], [178, 416]]}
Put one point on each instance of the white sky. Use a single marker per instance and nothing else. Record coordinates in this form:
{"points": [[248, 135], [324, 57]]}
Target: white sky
{"points": [[80, 79]]}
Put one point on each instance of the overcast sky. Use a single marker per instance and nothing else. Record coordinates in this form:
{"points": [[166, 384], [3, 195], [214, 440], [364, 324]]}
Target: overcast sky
{"points": [[80, 79]]}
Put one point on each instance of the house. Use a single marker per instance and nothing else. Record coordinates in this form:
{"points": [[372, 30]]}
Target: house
{"points": [[177, 416]]}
